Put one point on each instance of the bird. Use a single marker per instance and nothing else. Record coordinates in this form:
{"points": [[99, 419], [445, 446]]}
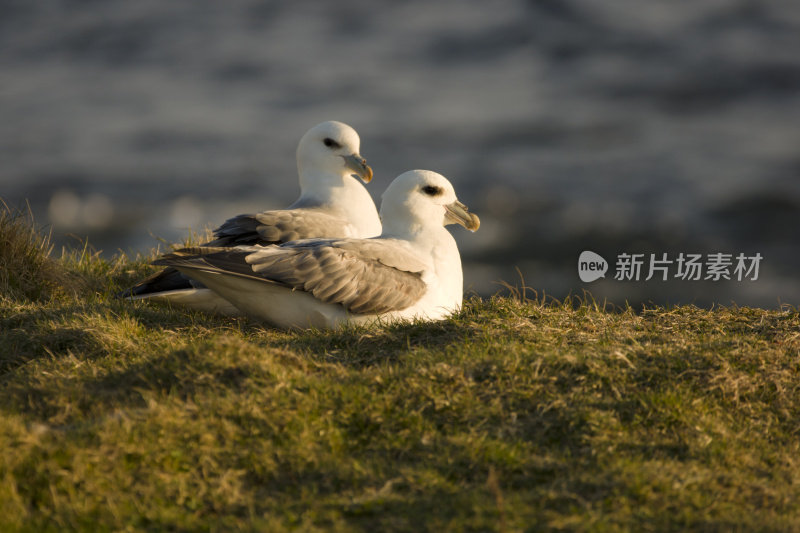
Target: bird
{"points": [[332, 204], [412, 270]]}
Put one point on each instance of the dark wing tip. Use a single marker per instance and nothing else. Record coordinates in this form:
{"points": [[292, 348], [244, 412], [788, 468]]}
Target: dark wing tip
{"points": [[168, 279]]}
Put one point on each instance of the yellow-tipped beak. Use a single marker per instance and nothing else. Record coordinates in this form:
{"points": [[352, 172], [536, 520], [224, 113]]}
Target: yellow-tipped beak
{"points": [[359, 166], [457, 213]]}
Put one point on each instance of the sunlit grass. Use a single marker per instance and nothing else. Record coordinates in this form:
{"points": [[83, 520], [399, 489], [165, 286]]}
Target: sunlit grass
{"points": [[513, 415]]}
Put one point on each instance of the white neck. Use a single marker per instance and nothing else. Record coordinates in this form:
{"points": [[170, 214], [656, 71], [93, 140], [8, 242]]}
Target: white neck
{"points": [[343, 194], [437, 243]]}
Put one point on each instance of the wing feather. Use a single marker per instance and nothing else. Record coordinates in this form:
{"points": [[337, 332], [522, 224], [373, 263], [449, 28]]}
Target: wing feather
{"points": [[276, 227], [370, 276], [268, 227]]}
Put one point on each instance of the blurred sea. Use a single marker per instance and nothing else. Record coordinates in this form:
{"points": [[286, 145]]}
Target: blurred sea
{"points": [[620, 126]]}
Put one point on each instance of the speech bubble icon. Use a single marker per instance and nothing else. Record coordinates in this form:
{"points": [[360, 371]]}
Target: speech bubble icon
{"points": [[591, 266]]}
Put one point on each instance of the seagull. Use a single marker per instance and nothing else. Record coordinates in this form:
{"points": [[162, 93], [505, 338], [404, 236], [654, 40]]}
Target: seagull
{"points": [[411, 271], [332, 204]]}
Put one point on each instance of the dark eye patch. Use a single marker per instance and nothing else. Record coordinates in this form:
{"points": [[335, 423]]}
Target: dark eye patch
{"points": [[432, 190], [330, 143]]}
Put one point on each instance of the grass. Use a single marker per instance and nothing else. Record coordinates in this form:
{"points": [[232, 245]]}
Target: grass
{"points": [[514, 415]]}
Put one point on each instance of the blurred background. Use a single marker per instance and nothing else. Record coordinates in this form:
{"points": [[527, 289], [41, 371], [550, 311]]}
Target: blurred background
{"points": [[665, 126]]}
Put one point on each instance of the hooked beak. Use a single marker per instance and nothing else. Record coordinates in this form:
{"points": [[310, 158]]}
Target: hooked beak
{"points": [[457, 213], [359, 166]]}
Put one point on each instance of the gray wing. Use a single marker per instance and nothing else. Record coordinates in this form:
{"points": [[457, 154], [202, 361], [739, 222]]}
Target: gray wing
{"points": [[268, 227], [364, 276], [276, 227]]}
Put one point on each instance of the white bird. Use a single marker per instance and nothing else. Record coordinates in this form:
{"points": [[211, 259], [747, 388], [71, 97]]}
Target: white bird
{"points": [[332, 204], [412, 270]]}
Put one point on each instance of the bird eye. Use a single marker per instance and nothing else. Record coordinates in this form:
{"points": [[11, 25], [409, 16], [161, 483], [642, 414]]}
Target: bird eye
{"points": [[330, 143], [432, 190]]}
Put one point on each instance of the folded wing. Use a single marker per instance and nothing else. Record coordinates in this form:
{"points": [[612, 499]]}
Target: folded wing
{"points": [[366, 277], [269, 227], [276, 227]]}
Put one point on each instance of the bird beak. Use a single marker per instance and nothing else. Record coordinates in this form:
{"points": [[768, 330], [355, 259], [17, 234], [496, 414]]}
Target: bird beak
{"points": [[358, 164], [457, 213]]}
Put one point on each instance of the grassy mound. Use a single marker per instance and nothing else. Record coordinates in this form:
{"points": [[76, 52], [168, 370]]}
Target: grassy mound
{"points": [[26, 268], [512, 415]]}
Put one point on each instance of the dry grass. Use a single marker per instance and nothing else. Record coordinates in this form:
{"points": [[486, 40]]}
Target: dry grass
{"points": [[514, 415], [26, 268]]}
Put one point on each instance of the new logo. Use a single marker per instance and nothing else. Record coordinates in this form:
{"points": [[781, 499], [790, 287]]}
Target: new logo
{"points": [[591, 266]]}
